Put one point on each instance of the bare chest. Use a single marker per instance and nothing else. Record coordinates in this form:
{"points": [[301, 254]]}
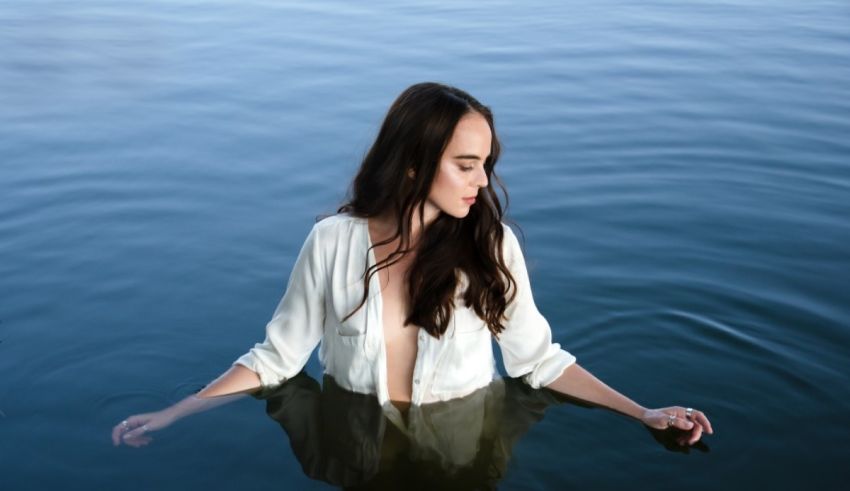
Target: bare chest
{"points": [[395, 301], [400, 341]]}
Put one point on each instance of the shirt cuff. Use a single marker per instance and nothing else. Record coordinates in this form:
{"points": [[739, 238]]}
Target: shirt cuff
{"points": [[268, 378], [549, 369]]}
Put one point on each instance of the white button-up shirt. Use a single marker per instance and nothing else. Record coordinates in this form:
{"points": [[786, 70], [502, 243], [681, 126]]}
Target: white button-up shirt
{"points": [[326, 283]]}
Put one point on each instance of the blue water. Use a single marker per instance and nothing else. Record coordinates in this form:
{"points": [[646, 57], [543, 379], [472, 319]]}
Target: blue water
{"points": [[680, 170]]}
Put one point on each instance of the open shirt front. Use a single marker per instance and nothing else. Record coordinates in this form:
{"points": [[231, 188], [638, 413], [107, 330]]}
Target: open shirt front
{"points": [[326, 284]]}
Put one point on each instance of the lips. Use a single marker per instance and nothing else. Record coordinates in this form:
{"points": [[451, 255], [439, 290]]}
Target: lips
{"points": [[470, 200]]}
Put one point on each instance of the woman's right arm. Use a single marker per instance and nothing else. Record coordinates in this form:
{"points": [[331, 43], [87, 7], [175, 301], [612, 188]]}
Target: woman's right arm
{"points": [[292, 334], [238, 379], [231, 385]]}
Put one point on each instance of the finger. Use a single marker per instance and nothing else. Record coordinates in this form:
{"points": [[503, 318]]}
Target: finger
{"points": [[683, 424], [118, 430], [137, 420], [700, 417], [136, 432], [131, 435], [696, 433], [139, 442]]}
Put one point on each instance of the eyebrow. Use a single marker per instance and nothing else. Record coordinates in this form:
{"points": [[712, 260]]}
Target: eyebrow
{"points": [[468, 157]]}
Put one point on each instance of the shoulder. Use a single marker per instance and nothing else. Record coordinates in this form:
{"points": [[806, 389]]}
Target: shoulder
{"points": [[510, 242], [337, 224], [332, 231], [508, 231]]}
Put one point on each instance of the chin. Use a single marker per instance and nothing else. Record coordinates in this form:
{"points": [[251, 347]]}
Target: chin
{"points": [[458, 212], [461, 214]]}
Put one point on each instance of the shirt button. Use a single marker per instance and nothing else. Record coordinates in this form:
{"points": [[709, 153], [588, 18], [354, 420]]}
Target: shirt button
{"points": [[416, 381]]}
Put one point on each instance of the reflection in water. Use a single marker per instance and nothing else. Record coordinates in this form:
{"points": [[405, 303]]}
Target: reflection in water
{"points": [[347, 439]]}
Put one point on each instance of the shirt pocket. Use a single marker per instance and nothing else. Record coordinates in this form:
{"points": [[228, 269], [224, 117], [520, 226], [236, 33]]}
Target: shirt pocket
{"points": [[466, 321], [351, 328], [467, 364], [464, 318], [348, 363], [355, 325]]}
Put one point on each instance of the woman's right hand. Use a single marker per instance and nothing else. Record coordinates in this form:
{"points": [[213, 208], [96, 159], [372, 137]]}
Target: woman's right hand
{"points": [[134, 431], [231, 385]]}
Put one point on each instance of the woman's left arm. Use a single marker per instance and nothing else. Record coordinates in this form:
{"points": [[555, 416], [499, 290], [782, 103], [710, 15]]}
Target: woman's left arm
{"points": [[577, 382], [528, 351]]}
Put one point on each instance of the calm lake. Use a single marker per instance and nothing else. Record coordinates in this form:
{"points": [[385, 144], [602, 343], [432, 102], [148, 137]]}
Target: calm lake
{"points": [[680, 170]]}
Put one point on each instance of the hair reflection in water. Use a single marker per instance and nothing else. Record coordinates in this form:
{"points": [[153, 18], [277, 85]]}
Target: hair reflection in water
{"points": [[347, 439]]}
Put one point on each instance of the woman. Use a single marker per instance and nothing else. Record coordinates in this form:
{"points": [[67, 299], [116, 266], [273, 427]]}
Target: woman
{"points": [[405, 286]]}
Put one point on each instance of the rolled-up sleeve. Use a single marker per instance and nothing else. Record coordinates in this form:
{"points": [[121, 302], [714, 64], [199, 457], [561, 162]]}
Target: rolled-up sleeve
{"points": [[297, 325], [526, 342]]}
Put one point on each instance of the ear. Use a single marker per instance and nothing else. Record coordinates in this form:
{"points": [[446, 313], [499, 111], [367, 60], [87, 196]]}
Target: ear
{"points": [[411, 173]]}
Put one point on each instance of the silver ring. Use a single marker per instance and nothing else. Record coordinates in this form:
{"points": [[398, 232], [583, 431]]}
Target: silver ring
{"points": [[688, 412], [670, 420], [145, 428], [125, 424]]}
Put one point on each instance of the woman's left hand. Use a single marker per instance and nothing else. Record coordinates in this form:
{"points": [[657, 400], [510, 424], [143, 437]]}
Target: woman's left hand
{"points": [[689, 420]]}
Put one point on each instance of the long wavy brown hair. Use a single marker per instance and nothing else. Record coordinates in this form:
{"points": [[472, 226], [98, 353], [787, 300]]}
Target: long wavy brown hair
{"points": [[414, 135]]}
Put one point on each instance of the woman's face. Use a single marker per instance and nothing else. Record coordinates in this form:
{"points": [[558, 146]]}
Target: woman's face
{"points": [[460, 173]]}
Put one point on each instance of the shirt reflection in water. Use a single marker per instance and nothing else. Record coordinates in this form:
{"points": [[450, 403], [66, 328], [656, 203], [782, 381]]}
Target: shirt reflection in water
{"points": [[348, 439]]}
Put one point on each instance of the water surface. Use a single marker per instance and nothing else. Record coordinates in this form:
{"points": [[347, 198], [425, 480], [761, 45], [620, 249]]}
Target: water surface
{"points": [[680, 171]]}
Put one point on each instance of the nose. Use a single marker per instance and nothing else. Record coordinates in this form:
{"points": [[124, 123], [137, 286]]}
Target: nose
{"points": [[481, 178]]}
